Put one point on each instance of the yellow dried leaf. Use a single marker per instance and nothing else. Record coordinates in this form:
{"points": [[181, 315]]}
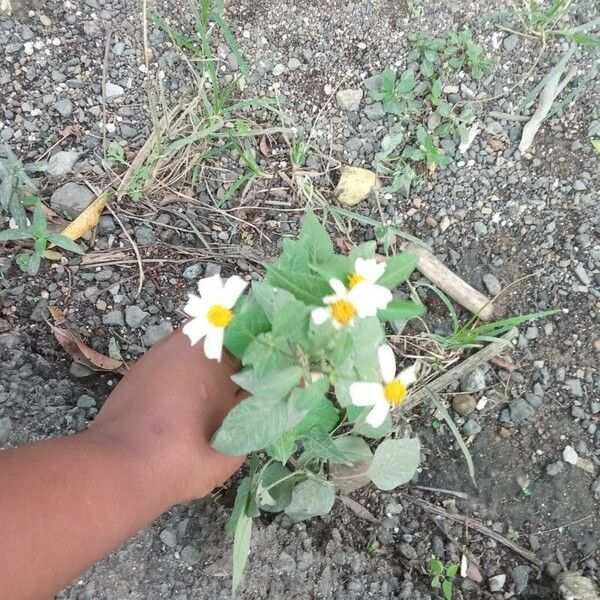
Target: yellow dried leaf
{"points": [[87, 220], [356, 184], [52, 255]]}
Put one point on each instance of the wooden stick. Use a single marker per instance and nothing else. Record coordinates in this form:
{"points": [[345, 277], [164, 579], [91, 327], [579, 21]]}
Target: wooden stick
{"points": [[462, 369], [450, 283]]}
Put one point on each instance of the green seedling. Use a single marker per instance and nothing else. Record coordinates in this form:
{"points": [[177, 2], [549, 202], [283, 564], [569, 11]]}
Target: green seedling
{"points": [[443, 577]]}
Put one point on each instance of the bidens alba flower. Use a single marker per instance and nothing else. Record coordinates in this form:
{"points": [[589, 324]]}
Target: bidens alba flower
{"points": [[383, 396], [366, 271], [212, 312]]}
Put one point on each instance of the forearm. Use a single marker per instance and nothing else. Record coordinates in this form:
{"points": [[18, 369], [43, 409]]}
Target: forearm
{"points": [[66, 503]]}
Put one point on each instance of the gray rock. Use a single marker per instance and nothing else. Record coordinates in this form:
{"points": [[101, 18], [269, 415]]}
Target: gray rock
{"points": [[582, 275], [520, 410], [118, 48], [294, 64], [373, 83], [91, 29], [472, 427], [553, 569], [574, 586], [85, 401], [555, 468], [40, 312], [463, 404], [349, 99], [191, 555], [135, 316], [575, 388], [407, 551], [64, 107], [579, 185], [106, 225], [278, 70], [169, 538], [61, 163], [534, 399], [473, 382], [193, 271], [510, 42], [80, 371], [578, 412], [479, 228], [114, 318], [497, 582], [570, 455], [492, 284], [374, 111], [596, 486], [212, 269], [155, 333], [520, 575], [144, 235], [112, 90], [5, 429], [71, 199]]}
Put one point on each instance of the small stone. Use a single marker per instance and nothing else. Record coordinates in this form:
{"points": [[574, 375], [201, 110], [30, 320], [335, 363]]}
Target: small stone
{"points": [[80, 371], [505, 433], [582, 275], [112, 90], [85, 401], [349, 99], [373, 83], [91, 29], [579, 185], [135, 316], [520, 575], [575, 388], [294, 64], [578, 412], [40, 313], [492, 284], [278, 70], [479, 228], [45, 20], [596, 486], [510, 42], [61, 163], [64, 107], [407, 551], [374, 111], [191, 555], [555, 468], [473, 382], [553, 569], [463, 404], [193, 271], [144, 235], [520, 410], [169, 539], [5, 429], [71, 199], [472, 427], [497, 582], [155, 333], [118, 48], [114, 318], [212, 269], [570, 455]]}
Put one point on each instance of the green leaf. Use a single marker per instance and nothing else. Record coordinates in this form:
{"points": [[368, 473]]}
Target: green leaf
{"points": [[363, 428], [398, 268], [337, 266], [38, 223], [394, 463], [241, 549], [364, 250], [279, 493], [307, 288], [323, 414], [316, 239], [283, 447], [353, 448], [401, 310], [447, 589], [33, 266], [310, 396], [294, 256], [367, 336], [340, 347], [436, 566], [239, 506], [249, 322], [64, 242], [435, 582], [22, 261], [264, 355], [596, 145], [15, 234], [274, 386], [310, 498], [452, 571], [317, 442]]}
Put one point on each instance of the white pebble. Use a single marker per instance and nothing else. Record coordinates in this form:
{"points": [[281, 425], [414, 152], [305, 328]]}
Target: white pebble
{"points": [[570, 455]]}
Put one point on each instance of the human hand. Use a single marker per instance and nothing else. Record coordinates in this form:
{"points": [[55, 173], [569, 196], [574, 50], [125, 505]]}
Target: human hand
{"points": [[166, 410]]}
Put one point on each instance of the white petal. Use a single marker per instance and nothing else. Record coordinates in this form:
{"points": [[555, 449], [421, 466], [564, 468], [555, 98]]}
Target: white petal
{"points": [[320, 315], [211, 289], [409, 375], [232, 290], [196, 329], [387, 362], [330, 299], [366, 393], [381, 296], [368, 298], [369, 268], [338, 287], [377, 415], [195, 306], [213, 343]]}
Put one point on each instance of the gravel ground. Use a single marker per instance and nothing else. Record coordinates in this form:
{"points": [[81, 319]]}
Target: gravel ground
{"points": [[492, 215]]}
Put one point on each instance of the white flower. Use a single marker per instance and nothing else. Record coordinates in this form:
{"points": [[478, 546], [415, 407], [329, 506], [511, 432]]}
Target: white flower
{"points": [[383, 396], [366, 270], [345, 305], [212, 312]]}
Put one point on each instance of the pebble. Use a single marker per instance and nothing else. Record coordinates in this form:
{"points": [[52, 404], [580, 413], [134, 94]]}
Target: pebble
{"points": [[555, 468], [64, 107], [61, 163], [349, 99], [472, 427], [155, 333], [294, 64], [570, 455], [80, 371], [582, 275], [278, 70], [407, 551], [497, 582], [463, 404], [45, 20], [169, 539], [553, 569], [374, 111], [85, 401], [112, 90], [520, 410], [520, 575], [135, 316], [479, 228], [474, 381], [114, 318], [118, 48], [193, 271], [71, 199], [5, 429], [575, 388], [144, 235], [191, 555]]}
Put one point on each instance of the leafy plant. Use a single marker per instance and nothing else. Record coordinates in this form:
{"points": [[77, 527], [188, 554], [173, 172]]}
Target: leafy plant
{"points": [[30, 262], [15, 187], [443, 577]]}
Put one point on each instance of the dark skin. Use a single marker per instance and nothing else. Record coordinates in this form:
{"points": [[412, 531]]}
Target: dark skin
{"points": [[67, 502]]}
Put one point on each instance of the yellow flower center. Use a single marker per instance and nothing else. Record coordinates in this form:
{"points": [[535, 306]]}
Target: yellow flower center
{"points": [[354, 279], [343, 311], [395, 392], [219, 316]]}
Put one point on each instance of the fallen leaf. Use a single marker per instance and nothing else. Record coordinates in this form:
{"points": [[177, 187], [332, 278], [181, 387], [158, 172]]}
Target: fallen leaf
{"points": [[470, 569], [264, 147], [358, 509], [356, 184], [349, 478], [596, 144], [87, 220], [52, 255], [343, 245], [58, 315], [84, 355]]}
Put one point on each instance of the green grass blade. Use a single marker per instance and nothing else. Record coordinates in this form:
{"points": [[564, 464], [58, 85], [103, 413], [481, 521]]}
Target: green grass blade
{"points": [[232, 43], [447, 302]]}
